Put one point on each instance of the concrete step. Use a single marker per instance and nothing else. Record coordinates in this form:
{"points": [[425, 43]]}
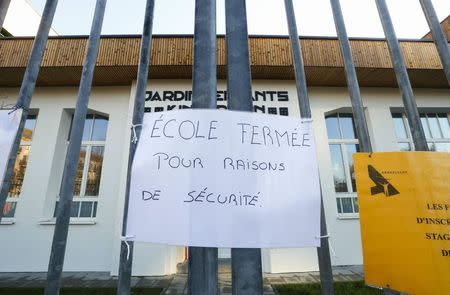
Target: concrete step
{"points": [[223, 267], [179, 285]]}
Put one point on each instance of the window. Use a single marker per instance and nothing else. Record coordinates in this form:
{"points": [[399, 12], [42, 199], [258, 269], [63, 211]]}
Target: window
{"points": [[9, 210], [87, 181], [343, 144], [435, 125]]}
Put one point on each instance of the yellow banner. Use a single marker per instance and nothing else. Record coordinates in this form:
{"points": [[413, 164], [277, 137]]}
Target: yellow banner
{"points": [[404, 203]]}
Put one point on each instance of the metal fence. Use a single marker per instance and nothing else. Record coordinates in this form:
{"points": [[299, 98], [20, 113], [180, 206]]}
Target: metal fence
{"points": [[246, 263]]}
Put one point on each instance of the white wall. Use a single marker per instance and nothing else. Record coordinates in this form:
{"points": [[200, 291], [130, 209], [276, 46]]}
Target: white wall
{"points": [[95, 247], [29, 238], [345, 232], [22, 19]]}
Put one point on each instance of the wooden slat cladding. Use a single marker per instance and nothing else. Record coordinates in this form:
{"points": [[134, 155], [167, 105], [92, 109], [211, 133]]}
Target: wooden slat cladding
{"points": [[172, 51], [445, 24], [15, 53], [172, 58]]}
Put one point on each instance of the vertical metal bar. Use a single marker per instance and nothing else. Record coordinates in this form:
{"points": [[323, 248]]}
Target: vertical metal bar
{"points": [[58, 250], [4, 4], [126, 259], [323, 252], [299, 67], [203, 273], [401, 73], [246, 263], [203, 266], [26, 91], [238, 57], [352, 80], [246, 271], [204, 84], [438, 35]]}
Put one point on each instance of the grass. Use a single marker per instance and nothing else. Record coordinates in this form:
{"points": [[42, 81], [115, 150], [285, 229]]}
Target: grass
{"points": [[341, 288], [79, 291]]}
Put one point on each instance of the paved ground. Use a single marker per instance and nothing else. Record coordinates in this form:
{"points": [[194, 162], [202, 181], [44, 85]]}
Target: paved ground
{"points": [[342, 273], [179, 285], [79, 279], [173, 284]]}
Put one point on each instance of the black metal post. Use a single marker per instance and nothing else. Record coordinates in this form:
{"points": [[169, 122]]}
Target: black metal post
{"points": [[352, 80], [126, 258], [26, 91], [438, 35], [4, 4], [323, 252], [203, 266], [59, 243], [401, 73], [246, 263]]}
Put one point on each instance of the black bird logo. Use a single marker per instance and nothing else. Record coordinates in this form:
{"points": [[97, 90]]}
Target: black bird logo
{"points": [[382, 185]]}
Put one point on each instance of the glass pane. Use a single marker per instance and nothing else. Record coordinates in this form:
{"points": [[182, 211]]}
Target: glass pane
{"points": [[347, 205], [74, 209], [28, 130], [332, 127], [9, 209], [355, 205], [56, 208], [340, 181], [100, 128], [80, 169], [404, 146], [94, 212], [347, 126], [338, 201], [95, 171], [426, 129], [351, 149], [19, 172], [445, 125], [434, 126], [86, 209], [443, 146], [431, 146], [88, 127], [399, 123]]}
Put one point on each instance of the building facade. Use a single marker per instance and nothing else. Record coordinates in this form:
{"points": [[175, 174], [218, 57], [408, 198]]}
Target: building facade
{"points": [[94, 234], [22, 19]]}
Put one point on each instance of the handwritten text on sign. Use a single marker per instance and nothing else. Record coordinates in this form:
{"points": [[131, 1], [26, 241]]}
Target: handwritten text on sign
{"points": [[9, 123], [225, 179]]}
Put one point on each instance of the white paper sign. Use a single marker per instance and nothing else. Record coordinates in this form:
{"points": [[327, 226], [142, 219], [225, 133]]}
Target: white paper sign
{"points": [[225, 179], [9, 123]]}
